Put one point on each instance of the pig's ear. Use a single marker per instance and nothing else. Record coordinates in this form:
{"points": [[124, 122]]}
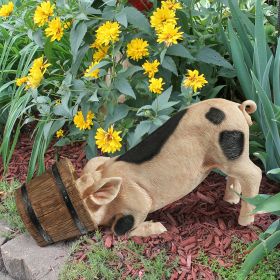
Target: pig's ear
{"points": [[85, 184], [107, 190]]}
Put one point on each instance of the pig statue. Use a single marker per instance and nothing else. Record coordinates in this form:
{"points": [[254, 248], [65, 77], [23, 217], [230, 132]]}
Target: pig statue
{"points": [[171, 162]]}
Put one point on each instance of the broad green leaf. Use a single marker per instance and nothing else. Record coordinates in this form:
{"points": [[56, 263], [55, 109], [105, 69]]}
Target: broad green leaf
{"points": [[271, 204], [141, 129], [274, 171], [123, 86], [162, 55], [119, 113], [210, 56], [179, 50], [121, 18], [137, 19], [169, 64], [77, 34]]}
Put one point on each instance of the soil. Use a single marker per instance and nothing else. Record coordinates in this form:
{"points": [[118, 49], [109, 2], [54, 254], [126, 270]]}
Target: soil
{"points": [[199, 221]]}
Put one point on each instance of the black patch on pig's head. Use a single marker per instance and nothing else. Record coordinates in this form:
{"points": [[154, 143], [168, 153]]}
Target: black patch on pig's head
{"points": [[123, 224], [151, 145], [215, 115], [232, 143]]}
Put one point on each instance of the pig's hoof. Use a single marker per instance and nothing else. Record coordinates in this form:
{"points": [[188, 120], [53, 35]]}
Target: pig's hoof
{"points": [[245, 220], [147, 229], [232, 200]]}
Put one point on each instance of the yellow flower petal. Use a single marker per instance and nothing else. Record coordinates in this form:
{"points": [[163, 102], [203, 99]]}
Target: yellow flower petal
{"points": [[108, 142], [137, 49], [43, 12], [6, 10], [59, 133], [55, 29], [107, 33], [81, 123], [151, 68], [169, 35], [194, 80], [156, 85]]}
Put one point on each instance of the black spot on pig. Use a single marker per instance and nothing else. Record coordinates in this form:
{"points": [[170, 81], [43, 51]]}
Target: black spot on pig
{"points": [[124, 224], [232, 143], [152, 145], [215, 115]]}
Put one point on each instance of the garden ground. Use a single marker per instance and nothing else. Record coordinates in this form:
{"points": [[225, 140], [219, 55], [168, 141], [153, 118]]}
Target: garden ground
{"points": [[203, 240]]}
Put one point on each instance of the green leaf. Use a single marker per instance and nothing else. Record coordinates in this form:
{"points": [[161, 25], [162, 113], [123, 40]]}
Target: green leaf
{"points": [[94, 97], [169, 64], [38, 38], [210, 56], [260, 40], [274, 171], [123, 86], [77, 34], [137, 19], [215, 91], [119, 113], [258, 253], [141, 129], [276, 75], [162, 55], [121, 18], [179, 50], [241, 68], [271, 204]]}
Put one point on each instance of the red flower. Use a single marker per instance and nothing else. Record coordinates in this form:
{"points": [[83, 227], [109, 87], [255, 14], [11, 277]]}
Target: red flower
{"points": [[141, 5]]}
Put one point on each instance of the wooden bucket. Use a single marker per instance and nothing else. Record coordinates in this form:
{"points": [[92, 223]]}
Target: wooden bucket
{"points": [[51, 207]]}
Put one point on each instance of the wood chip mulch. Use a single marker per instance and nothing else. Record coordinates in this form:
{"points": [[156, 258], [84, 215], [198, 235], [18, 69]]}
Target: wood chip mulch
{"points": [[199, 221]]}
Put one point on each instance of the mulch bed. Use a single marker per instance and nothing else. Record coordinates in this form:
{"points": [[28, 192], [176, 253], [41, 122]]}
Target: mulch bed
{"points": [[199, 221]]}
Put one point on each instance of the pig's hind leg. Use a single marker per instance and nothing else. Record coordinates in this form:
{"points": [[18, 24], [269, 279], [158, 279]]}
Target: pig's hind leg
{"points": [[232, 191], [249, 176]]}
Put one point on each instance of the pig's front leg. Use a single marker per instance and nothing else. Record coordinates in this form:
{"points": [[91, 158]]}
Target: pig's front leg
{"points": [[147, 228]]}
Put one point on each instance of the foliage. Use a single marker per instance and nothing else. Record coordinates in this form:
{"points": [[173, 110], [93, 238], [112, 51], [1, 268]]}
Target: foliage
{"points": [[116, 92], [267, 240], [258, 73], [104, 263], [268, 269], [8, 209]]}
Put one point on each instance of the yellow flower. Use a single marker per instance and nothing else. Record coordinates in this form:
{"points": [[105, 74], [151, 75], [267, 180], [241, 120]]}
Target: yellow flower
{"points": [[137, 49], [81, 123], [151, 68], [92, 73], [43, 12], [67, 24], [194, 80], [21, 81], [36, 72], [156, 85], [100, 53], [171, 5], [57, 102], [169, 35], [162, 16], [6, 10], [55, 29], [59, 133], [39, 65], [108, 32], [108, 142]]}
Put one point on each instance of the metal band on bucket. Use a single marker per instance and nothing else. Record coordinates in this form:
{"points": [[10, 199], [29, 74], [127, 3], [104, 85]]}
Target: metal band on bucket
{"points": [[66, 198], [32, 216]]}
